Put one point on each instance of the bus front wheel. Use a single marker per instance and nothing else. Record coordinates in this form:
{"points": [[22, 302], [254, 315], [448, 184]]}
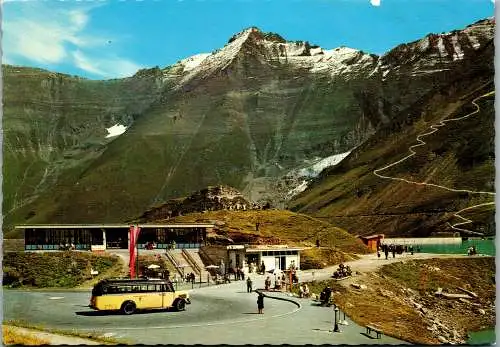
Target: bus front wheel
{"points": [[180, 305], [128, 307]]}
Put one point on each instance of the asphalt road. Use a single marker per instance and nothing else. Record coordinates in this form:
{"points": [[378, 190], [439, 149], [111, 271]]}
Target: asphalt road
{"points": [[218, 315], [69, 310], [223, 314]]}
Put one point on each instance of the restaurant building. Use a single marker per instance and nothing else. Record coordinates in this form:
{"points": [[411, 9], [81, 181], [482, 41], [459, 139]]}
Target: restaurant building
{"points": [[99, 237]]}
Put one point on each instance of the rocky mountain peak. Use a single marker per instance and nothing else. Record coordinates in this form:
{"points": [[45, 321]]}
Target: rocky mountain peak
{"points": [[436, 52], [212, 198], [272, 49]]}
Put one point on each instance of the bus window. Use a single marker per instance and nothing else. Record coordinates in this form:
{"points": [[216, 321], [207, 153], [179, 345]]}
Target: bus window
{"points": [[97, 290], [167, 288]]}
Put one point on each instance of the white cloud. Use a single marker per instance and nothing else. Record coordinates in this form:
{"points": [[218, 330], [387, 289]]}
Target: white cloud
{"points": [[38, 42], [375, 2], [83, 62], [105, 67], [41, 33]]}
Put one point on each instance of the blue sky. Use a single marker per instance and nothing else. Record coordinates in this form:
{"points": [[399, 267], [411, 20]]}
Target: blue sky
{"points": [[108, 39]]}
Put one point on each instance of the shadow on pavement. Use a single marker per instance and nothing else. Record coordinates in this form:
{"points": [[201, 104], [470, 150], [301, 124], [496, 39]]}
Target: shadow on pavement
{"points": [[250, 312], [322, 330], [369, 336], [118, 313]]}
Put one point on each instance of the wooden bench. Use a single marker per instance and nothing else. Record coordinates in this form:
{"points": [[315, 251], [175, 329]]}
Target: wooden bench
{"points": [[370, 328]]}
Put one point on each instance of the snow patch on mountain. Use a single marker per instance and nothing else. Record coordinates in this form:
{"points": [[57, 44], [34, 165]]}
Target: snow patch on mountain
{"points": [[115, 130], [424, 44], [338, 61], [474, 42], [315, 169], [458, 53], [193, 61], [304, 175], [292, 49], [441, 47], [220, 59]]}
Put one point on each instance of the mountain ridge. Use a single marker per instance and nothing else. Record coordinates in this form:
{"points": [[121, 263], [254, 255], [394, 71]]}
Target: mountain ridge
{"points": [[258, 111]]}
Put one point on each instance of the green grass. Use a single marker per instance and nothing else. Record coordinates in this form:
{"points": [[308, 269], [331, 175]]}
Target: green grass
{"points": [[318, 258], [278, 226], [54, 269], [452, 273]]}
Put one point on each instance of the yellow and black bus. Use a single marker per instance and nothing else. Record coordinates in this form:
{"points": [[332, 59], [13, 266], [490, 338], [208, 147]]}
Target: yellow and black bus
{"points": [[129, 295]]}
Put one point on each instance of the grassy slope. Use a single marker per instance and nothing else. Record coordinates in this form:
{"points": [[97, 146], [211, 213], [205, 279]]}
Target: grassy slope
{"points": [[352, 197], [55, 269], [277, 226]]}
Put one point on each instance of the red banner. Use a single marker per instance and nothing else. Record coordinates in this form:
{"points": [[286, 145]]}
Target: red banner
{"points": [[134, 235]]}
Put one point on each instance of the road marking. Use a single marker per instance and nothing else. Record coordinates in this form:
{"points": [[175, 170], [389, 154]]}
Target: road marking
{"points": [[435, 127], [56, 297], [201, 324]]}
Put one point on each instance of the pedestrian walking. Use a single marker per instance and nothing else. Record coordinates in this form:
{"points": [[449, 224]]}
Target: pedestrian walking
{"points": [[386, 251], [394, 252], [260, 303], [249, 285], [267, 283]]}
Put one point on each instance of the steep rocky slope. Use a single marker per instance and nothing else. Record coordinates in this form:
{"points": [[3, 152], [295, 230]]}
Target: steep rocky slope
{"points": [[249, 115], [241, 116], [209, 199], [421, 194]]}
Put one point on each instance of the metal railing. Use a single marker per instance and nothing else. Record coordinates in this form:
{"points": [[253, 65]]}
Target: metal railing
{"points": [[203, 254], [174, 262], [191, 262]]}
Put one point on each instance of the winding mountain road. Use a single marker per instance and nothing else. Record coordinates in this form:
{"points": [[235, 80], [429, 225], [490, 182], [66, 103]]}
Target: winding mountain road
{"points": [[420, 143]]}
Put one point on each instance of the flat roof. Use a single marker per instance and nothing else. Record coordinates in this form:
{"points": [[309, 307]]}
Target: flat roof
{"points": [[255, 250], [110, 226], [373, 236]]}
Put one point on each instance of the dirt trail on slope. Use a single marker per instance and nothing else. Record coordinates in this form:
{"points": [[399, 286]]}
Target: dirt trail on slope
{"points": [[370, 263]]}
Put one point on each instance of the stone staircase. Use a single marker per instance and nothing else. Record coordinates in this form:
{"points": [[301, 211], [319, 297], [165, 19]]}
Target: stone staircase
{"points": [[178, 260], [193, 257]]}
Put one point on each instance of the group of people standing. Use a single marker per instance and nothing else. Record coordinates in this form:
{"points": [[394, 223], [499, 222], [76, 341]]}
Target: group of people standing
{"points": [[238, 273], [260, 269], [395, 249]]}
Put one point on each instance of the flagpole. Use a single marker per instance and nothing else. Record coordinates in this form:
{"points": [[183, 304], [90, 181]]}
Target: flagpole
{"points": [[137, 253]]}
